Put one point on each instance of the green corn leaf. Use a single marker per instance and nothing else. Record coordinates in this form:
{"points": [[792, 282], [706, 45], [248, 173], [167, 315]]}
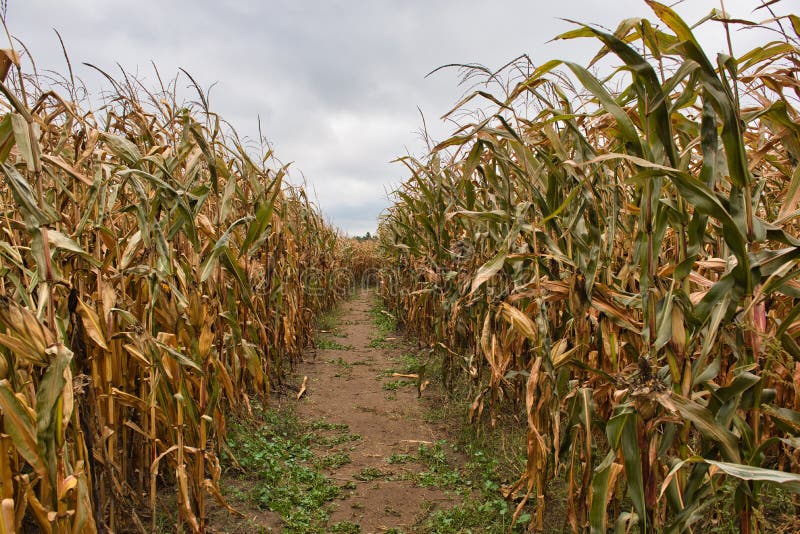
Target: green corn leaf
{"points": [[221, 246], [598, 512], [705, 422], [50, 406], [22, 137], [622, 434], [789, 481], [19, 422], [262, 218], [24, 197], [6, 137], [63, 242], [121, 147], [179, 356], [488, 269], [624, 123]]}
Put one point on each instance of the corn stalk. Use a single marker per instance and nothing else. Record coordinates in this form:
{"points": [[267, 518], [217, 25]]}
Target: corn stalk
{"points": [[154, 276], [621, 254]]}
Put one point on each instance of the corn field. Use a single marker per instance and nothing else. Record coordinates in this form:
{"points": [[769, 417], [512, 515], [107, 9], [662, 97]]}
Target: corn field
{"points": [[154, 276], [362, 260], [616, 259]]}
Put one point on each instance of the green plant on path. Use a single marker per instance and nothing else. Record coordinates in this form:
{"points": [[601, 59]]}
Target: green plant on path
{"points": [[282, 472], [330, 344]]}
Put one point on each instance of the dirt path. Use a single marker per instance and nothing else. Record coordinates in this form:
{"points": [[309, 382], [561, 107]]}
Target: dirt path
{"points": [[361, 452], [351, 382]]}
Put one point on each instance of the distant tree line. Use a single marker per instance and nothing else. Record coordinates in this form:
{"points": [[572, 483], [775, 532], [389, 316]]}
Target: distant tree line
{"points": [[365, 237]]}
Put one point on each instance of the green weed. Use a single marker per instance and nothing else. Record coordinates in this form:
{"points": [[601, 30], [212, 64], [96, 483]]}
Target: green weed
{"points": [[394, 385], [339, 361], [276, 457], [330, 344], [345, 527], [400, 459], [383, 320], [370, 473], [322, 424], [332, 441], [333, 461]]}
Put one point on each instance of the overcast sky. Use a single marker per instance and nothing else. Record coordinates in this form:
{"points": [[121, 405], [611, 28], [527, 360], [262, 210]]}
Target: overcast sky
{"points": [[337, 83]]}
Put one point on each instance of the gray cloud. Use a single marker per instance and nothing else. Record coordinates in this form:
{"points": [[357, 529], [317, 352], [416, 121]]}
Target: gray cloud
{"points": [[336, 83]]}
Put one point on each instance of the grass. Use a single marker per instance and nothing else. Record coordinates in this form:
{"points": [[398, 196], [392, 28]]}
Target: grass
{"points": [[499, 450], [330, 344], [341, 363], [481, 508], [386, 325], [412, 363], [777, 512], [440, 471], [409, 363], [382, 319], [340, 434], [381, 342], [328, 321], [370, 473], [322, 424], [397, 458], [345, 527], [473, 467], [283, 473], [333, 441], [490, 458], [333, 461], [473, 515], [394, 385], [475, 483]]}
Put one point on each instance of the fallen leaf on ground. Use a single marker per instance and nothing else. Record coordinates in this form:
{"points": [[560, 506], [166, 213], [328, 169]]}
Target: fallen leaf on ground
{"points": [[405, 375], [302, 387], [423, 386]]}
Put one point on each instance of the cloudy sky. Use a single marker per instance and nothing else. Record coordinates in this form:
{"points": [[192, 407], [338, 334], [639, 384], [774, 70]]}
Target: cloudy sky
{"points": [[337, 83]]}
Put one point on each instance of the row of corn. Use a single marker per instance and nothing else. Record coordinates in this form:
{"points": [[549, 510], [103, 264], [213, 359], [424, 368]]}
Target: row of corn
{"points": [[616, 260], [155, 274]]}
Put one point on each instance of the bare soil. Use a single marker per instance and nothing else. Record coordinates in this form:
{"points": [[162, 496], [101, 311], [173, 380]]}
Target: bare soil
{"points": [[350, 383], [347, 387]]}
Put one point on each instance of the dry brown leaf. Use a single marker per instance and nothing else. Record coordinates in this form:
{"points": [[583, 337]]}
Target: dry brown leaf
{"points": [[405, 375], [7, 58], [302, 387], [423, 386]]}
